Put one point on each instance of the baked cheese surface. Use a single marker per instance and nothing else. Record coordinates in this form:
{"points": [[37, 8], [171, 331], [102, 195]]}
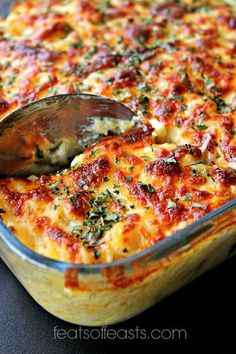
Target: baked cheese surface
{"points": [[109, 206], [174, 64]]}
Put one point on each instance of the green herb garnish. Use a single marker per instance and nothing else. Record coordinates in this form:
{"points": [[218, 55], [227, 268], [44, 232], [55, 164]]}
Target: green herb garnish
{"points": [[176, 97], [196, 163], [171, 204], [97, 253], [198, 205], [54, 188], [150, 188], [187, 197], [94, 152], [128, 178], [98, 220], [169, 160]]}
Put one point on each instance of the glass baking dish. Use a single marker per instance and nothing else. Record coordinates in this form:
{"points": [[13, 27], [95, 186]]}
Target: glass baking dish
{"points": [[112, 292]]}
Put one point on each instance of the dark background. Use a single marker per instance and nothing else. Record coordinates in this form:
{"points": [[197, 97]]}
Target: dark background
{"points": [[205, 308]]}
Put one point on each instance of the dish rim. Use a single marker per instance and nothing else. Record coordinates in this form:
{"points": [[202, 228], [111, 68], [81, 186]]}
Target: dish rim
{"points": [[162, 248]]}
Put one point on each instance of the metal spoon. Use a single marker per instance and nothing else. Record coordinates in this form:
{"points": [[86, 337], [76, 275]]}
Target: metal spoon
{"points": [[44, 135], [5, 7]]}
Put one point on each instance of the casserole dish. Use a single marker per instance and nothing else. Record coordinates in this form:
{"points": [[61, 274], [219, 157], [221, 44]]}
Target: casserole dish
{"points": [[156, 73], [103, 294]]}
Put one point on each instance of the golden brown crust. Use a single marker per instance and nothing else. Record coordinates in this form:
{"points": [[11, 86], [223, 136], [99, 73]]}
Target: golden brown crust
{"points": [[174, 64], [109, 206]]}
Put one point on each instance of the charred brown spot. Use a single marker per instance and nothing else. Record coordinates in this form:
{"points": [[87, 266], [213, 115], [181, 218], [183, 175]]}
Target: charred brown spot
{"points": [[169, 10], [104, 60], [227, 177], [110, 143], [200, 137], [93, 173], [72, 245], [16, 200], [179, 85], [12, 229], [163, 109], [138, 134], [26, 50], [188, 149], [46, 55], [197, 213], [71, 67], [166, 166], [85, 5], [212, 143], [227, 123], [138, 32], [124, 78], [129, 158], [44, 223], [87, 9], [170, 216], [39, 194], [57, 28], [198, 62], [79, 203], [133, 217], [197, 180], [155, 69], [177, 214], [114, 12], [207, 43], [229, 151], [4, 105], [141, 192], [118, 11], [44, 179], [201, 195]]}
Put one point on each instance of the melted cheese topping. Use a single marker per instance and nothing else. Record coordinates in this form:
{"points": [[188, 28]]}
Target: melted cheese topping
{"points": [[109, 206], [174, 64]]}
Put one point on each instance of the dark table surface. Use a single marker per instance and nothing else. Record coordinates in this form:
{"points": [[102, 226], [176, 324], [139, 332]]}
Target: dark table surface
{"points": [[205, 309]]}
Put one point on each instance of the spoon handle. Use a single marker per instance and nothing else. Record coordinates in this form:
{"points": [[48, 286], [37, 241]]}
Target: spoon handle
{"points": [[5, 7]]}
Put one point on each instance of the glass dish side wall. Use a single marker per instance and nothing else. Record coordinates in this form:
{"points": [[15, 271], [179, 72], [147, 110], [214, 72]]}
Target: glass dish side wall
{"points": [[117, 292]]}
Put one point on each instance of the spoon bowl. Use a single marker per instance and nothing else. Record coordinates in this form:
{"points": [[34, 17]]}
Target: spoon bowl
{"points": [[45, 135]]}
